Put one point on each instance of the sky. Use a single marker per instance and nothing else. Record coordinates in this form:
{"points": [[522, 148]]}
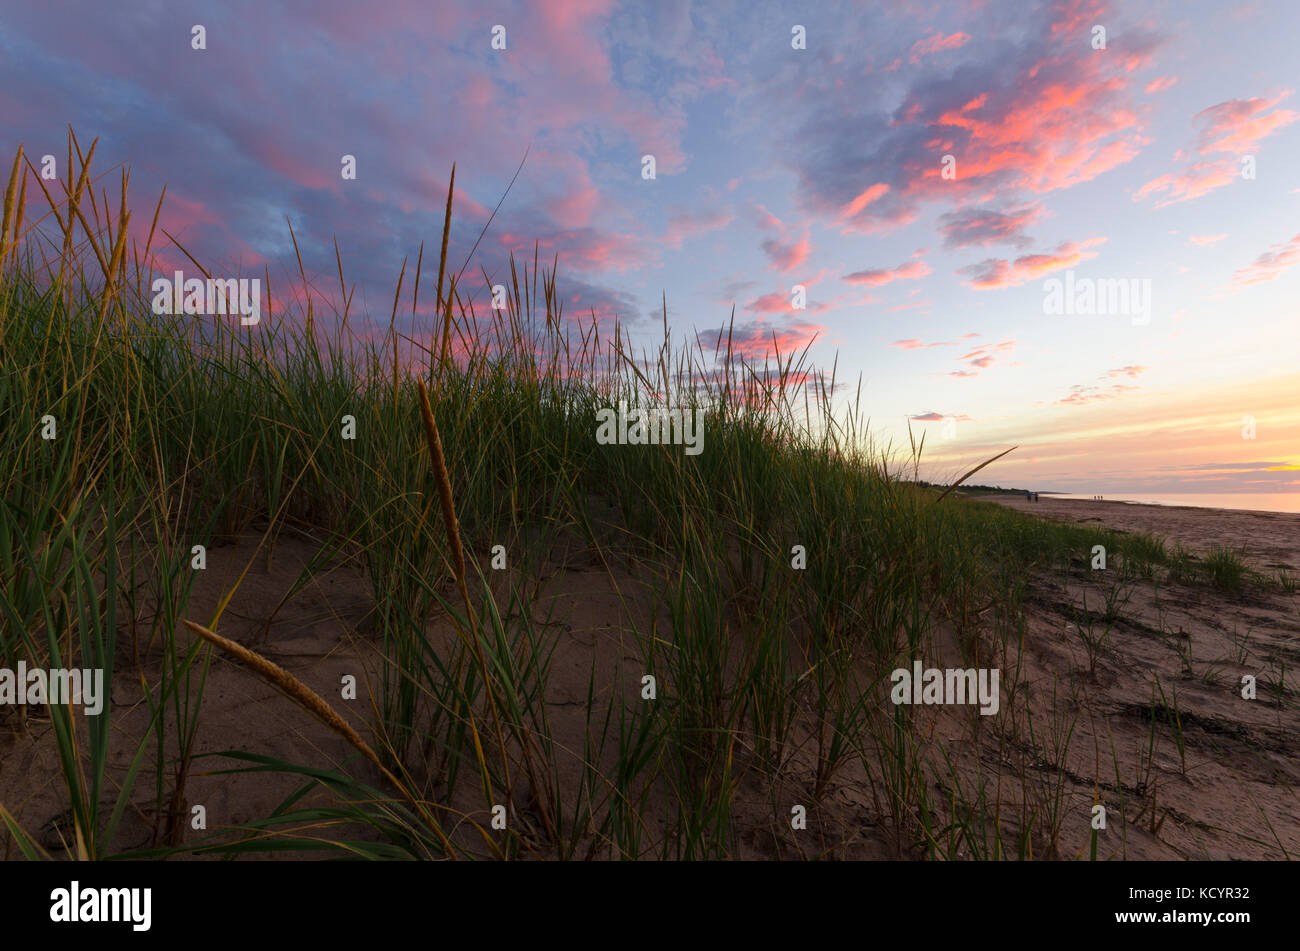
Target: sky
{"points": [[1069, 227]]}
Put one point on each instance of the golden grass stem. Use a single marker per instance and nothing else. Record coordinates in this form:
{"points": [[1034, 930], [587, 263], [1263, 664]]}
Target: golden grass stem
{"points": [[458, 558], [9, 202], [446, 232], [299, 692], [314, 704], [444, 492]]}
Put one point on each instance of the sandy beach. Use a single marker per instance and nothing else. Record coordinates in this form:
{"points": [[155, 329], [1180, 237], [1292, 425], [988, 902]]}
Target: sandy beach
{"points": [[1191, 791], [1169, 667]]}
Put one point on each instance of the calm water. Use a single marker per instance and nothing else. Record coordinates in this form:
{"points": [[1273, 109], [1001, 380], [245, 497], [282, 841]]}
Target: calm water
{"points": [[1259, 501]]}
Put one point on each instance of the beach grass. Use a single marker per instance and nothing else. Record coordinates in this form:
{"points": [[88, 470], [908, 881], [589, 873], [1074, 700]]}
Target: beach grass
{"points": [[774, 580]]}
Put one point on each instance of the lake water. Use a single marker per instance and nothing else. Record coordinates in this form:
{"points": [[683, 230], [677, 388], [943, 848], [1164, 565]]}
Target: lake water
{"points": [[1259, 501]]}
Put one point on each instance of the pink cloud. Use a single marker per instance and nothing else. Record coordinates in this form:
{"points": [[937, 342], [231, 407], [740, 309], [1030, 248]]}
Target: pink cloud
{"points": [[936, 44], [757, 340], [1071, 16], [968, 227], [1133, 371], [584, 248], [307, 172], [1050, 134], [765, 219], [982, 358], [913, 344], [997, 272], [1270, 265], [786, 256], [1198, 179], [1080, 395], [877, 277], [866, 197], [181, 215], [686, 223], [777, 302], [1160, 84], [1206, 240], [1237, 126]]}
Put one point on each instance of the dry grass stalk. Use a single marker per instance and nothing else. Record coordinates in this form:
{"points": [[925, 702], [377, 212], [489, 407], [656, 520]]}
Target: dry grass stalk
{"points": [[444, 492], [458, 556], [314, 704], [9, 202], [303, 695], [18, 215]]}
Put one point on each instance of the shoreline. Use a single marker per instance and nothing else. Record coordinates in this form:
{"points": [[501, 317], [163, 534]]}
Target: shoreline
{"points": [[1162, 505]]}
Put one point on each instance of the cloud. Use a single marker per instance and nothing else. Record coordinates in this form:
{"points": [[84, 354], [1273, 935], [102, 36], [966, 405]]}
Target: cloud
{"points": [[1160, 84], [684, 223], [1270, 265], [1237, 125], [581, 300], [966, 228], [877, 277], [786, 256], [582, 249], [866, 197], [1081, 395], [997, 272], [1206, 240], [780, 301], [1070, 17], [913, 344], [936, 44], [1196, 180], [332, 79], [765, 219], [1222, 467], [777, 302], [1132, 371], [912, 305], [1234, 127], [758, 339], [933, 417], [1033, 114], [731, 288], [983, 357]]}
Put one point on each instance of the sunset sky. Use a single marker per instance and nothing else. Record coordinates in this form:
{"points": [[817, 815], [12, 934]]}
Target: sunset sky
{"points": [[775, 166]]}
